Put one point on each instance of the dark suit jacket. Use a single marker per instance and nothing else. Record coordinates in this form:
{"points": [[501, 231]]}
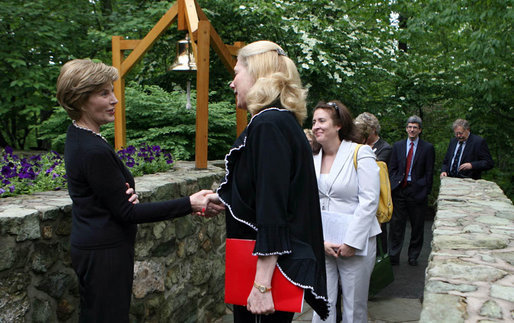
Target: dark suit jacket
{"points": [[476, 152], [422, 168], [382, 150]]}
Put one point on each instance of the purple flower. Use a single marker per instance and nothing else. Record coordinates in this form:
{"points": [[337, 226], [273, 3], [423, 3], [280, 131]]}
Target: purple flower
{"points": [[2, 191], [55, 175], [169, 159], [130, 162], [130, 150], [56, 155], [24, 163], [12, 188], [27, 173], [9, 170], [8, 150]]}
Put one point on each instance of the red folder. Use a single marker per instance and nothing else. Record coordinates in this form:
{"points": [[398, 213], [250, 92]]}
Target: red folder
{"points": [[240, 267]]}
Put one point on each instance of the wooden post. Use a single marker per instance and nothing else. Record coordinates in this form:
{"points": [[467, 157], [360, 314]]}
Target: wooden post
{"points": [[120, 139], [202, 94], [181, 17], [190, 17], [241, 115]]}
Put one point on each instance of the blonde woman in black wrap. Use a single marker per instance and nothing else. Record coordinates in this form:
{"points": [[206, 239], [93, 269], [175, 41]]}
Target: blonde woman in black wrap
{"points": [[270, 188]]}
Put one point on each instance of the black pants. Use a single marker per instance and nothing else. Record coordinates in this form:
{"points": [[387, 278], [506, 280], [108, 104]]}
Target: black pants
{"points": [[242, 315], [105, 282], [405, 208]]}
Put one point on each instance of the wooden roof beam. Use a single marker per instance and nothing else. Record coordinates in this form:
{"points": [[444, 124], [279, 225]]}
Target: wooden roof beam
{"points": [[144, 45]]}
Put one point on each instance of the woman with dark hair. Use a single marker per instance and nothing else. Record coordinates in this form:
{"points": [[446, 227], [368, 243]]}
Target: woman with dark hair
{"points": [[104, 219], [348, 196]]}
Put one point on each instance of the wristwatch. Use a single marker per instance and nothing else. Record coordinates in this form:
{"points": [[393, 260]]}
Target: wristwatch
{"points": [[261, 288]]}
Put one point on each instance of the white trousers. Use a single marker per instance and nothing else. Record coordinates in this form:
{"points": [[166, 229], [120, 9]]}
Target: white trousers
{"points": [[354, 274]]}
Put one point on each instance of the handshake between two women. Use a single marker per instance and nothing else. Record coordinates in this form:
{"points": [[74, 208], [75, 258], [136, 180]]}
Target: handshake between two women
{"points": [[206, 203]]}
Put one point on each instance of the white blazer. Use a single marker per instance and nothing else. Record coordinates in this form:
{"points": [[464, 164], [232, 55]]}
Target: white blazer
{"points": [[352, 192]]}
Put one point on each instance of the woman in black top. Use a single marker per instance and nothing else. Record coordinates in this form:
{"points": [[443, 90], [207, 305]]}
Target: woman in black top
{"points": [[270, 187], [104, 219]]}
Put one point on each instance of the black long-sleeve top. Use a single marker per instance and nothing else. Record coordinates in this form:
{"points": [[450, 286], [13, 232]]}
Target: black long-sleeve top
{"points": [[102, 216], [270, 190]]}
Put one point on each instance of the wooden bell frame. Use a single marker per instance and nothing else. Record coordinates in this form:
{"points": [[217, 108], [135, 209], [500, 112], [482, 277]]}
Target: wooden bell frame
{"points": [[191, 18]]}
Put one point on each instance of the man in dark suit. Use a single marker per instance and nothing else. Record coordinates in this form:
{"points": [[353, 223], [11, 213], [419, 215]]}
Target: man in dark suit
{"points": [[467, 155], [411, 171]]}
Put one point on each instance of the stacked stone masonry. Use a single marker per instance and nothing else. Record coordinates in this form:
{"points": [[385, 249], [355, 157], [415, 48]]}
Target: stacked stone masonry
{"points": [[179, 269], [180, 263], [470, 275]]}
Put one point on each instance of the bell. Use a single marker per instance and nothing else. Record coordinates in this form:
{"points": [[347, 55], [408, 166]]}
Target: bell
{"points": [[185, 61]]}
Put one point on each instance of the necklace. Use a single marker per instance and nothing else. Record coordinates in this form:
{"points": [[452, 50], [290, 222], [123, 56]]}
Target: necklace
{"points": [[89, 130]]}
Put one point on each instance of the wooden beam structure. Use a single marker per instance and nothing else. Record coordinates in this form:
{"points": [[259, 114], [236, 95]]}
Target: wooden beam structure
{"points": [[191, 18]]}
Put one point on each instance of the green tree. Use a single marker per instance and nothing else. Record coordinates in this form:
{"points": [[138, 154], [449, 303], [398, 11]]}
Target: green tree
{"points": [[459, 64], [36, 37], [158, 117]]}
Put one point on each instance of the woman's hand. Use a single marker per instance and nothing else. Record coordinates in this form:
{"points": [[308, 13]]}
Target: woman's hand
{"points": [[331, 249], [260, 303], [133, 198], [206, 203], [257, 302], [346, 251], [214, 205]]}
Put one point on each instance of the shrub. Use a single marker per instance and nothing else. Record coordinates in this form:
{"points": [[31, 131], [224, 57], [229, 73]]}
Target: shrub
{"points": [[46, 172], [21, 175], [160, 117], [147, 160]]}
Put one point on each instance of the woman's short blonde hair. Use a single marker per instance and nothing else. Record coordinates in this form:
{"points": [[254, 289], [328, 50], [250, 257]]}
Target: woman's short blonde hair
{"points": [[276, 77], [78, 79]]}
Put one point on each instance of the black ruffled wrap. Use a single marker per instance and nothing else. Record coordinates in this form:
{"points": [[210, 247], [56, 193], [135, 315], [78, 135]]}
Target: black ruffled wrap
{"points": [[290, 227]]}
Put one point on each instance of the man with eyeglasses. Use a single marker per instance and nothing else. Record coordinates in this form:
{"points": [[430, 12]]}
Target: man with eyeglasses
{"points": [[411, 171], [467, 155]]}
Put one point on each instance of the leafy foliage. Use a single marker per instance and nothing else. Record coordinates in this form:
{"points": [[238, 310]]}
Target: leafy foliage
{"points": [[159, 117], [23, 175], [458, 63], [36, 37], [45, 172], [146, 160]]}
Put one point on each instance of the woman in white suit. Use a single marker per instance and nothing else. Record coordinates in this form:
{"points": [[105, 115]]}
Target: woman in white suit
{"points": [[352, 194]]}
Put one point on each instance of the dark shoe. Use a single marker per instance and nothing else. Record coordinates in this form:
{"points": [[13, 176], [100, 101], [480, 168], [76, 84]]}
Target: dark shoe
{"points": [[413, 262], [395, 260]]}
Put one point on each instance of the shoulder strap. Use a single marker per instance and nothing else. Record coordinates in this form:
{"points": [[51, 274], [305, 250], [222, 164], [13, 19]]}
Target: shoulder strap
{"points": [[355, 155]]}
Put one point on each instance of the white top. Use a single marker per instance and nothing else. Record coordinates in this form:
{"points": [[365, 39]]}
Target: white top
{"points": [[354, 192]]}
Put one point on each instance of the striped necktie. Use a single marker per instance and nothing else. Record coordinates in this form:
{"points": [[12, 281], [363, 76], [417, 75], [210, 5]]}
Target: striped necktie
{"points": [[455, 164], [408, 164]]}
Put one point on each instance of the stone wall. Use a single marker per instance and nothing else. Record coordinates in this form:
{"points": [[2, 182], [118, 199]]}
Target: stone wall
{"points": [[470, 275], [179, 270]]}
